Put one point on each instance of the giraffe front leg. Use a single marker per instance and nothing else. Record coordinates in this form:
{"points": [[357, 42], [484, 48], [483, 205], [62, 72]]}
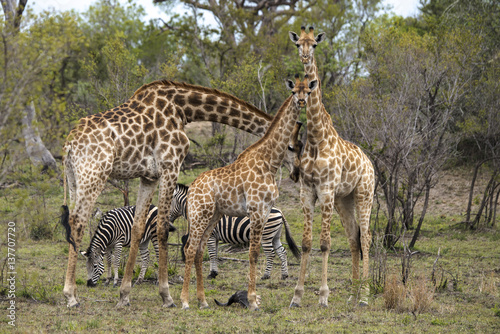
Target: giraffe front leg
{"points": [[257, 220], [307, 200], [146, 191], [325, 245]]}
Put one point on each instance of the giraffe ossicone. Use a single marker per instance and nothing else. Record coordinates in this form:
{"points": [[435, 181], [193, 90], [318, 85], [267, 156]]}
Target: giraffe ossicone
{"points": [[247, 187]]}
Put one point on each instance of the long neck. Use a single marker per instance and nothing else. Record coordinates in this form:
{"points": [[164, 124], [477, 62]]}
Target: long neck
{"points": [[318, 120], [272, 147], [196, 103]]}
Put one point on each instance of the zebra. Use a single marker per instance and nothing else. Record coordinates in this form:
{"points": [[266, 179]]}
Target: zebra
{"points": [[236, 231], [114, 231]]}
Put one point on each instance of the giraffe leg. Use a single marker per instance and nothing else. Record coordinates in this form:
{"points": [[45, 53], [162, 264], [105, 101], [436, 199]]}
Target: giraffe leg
{"points": [[364, 203], [258, 217], [86, 196], [146, 191], [307, 200], [198, 262], [327, 208], [346, 209], [166, 191]]}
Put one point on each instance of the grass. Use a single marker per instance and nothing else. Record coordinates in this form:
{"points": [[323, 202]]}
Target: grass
{"points": [[468, 262]]}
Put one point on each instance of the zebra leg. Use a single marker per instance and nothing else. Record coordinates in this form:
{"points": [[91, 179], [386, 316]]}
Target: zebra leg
{"points": [[116, 262], [213, 247], [109, 256], [154, 240], [143, 249], [267, 245], [281, 251]]}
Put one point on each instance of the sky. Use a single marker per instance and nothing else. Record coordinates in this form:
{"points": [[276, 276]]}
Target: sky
{"points": [[400, 7]]}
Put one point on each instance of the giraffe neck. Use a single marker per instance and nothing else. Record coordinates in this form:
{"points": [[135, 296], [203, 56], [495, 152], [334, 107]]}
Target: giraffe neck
{"points": [[272, 147], [196, 103], [318, 120]]}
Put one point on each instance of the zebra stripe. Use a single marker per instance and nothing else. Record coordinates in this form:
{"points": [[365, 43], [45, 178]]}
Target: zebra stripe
{"points": [[236, 231], [114, 232]]}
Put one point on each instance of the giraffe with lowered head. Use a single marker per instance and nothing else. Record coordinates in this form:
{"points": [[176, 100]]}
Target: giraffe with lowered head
{"points": [[144, 138], [337, 174], [247, 187]]}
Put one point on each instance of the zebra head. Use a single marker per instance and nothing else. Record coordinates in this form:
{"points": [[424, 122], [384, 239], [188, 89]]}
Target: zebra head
{"points": [[179, 200], [95, 266]]}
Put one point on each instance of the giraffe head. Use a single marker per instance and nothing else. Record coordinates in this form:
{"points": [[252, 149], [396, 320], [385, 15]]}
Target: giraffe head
{"points": [[301, 90], [306, 43]]}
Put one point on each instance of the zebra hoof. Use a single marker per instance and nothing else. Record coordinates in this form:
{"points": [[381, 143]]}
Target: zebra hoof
{"points": [[363, 303], [283, 277], [265, 277], [213, 274], [170, 306], [294, 305]]}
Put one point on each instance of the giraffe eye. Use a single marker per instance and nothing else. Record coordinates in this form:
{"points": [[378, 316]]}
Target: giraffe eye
{"points": [[315, 45], [297, 45]]}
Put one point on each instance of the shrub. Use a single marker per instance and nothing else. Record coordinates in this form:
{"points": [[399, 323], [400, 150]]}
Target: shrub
{"points": [[394, 294]]}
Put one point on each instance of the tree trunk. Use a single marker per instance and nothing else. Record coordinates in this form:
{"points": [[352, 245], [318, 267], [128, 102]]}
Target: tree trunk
{"points": [[37, 152], [422, 216]]}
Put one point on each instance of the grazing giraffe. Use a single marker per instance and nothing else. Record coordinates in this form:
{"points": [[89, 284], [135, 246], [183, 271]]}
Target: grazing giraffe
{"points": [[336, 173], [247, 187], [145, 138]]}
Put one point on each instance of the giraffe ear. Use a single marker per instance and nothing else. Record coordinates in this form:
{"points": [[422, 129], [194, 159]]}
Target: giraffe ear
{"points": [[289, 84], [321, 37], [293, 36], [313, 84]]}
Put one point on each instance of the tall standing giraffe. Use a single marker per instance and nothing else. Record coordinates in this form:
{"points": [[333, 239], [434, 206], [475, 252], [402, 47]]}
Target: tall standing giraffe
{"points": [[336, 173], [145, 138], [247, 187]]}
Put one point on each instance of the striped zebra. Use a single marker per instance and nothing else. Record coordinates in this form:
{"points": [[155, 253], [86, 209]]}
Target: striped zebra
{"points": [[236, 231], [113, 233]]}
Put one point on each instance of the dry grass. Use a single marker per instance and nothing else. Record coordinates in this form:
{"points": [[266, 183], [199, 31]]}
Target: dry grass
{"points": [[420, 296], [394, 294]]}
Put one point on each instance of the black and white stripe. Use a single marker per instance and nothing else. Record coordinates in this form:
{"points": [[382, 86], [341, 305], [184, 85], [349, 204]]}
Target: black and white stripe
{"points": [[113, 233], [236, 231]]}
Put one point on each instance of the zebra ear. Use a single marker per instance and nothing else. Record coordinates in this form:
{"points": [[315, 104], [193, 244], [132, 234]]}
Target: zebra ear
{"points": [[84, 253]]}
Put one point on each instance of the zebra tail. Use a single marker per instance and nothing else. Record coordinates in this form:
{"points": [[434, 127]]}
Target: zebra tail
{"points": [[359, 243], [65, 224], [291, 243]]}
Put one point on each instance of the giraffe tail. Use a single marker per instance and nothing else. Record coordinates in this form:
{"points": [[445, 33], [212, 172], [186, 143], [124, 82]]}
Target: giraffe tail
{"points": [[65, 223], [359, 243], [184, 242], [291, 243]]}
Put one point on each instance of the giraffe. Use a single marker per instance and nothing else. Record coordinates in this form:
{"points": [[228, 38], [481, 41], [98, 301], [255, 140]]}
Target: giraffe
{"points": [[247, 187], [337, 174], [145, 138]]}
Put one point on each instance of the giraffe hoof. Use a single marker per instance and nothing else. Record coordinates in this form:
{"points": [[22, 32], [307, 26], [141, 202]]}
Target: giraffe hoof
{"points": [[363, 303], [294, 305], [323, 305], [185, 307], [122, 304], [74, 305]]}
